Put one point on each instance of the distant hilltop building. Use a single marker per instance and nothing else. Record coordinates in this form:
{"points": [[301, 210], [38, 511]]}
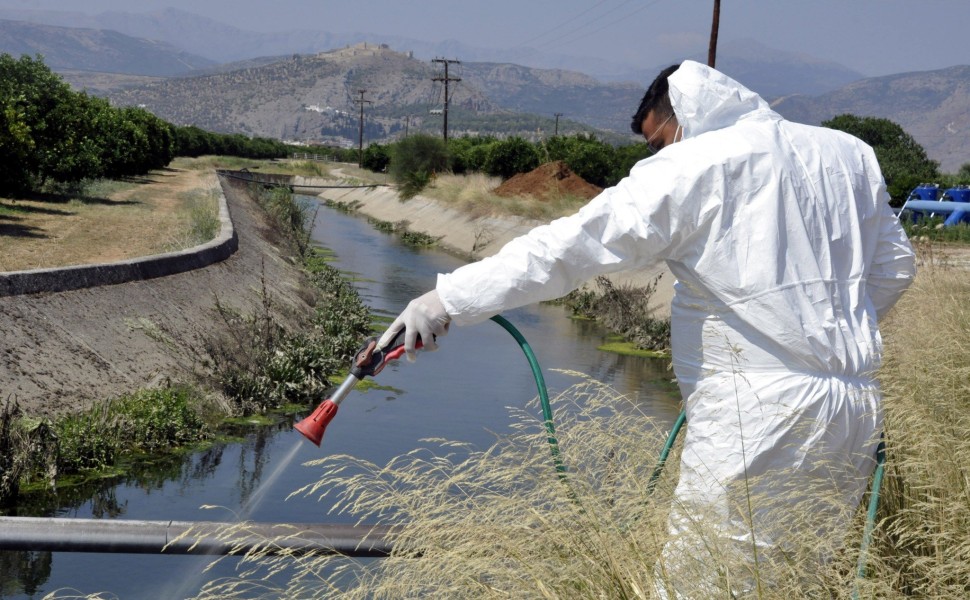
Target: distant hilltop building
{"points": [[362, 49]]}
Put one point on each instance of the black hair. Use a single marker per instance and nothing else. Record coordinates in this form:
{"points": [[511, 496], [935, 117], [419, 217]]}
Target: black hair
{"points": [[656, 99]]}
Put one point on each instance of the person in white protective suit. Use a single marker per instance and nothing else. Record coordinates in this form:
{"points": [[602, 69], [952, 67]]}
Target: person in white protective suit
{"points": [[785, 253]]}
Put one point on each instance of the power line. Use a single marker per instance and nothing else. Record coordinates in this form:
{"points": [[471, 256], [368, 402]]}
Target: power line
{"points": [[563, 24], [586, 24], [589, 33]]}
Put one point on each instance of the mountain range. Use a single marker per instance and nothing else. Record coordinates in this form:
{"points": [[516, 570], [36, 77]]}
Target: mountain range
{"points": [[305, 85]]}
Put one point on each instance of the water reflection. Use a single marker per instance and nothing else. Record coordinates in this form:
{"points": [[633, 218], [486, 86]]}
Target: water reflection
{"points": [[23, 572]]}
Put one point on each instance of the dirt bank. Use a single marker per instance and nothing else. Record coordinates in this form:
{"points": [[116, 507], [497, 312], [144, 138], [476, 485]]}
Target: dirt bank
{"points": [[471, 237], [64, 350]]}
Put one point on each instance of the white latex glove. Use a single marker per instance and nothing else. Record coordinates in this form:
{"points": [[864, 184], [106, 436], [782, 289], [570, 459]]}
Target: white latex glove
{"points": [[424, 316]]}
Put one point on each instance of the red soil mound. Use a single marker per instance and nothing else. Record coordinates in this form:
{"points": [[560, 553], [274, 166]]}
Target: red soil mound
{"points": [[549, 181]]}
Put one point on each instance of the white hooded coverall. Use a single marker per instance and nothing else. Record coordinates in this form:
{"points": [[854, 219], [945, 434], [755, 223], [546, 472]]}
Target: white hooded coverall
{"points": [[786, 253]]}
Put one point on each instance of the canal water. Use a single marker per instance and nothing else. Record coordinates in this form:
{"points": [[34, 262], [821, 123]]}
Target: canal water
{"points": [[462, 392]]}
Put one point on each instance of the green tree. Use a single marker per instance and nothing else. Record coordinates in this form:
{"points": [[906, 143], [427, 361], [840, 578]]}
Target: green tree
{"points": [[192, 141], [78, 140], [16, 143], [903, 161], [376, 157], [626, 157], [963, 173], [415, 161], [468, 153], [511, 156], [29, 95], [559, 147], [593, 160]]}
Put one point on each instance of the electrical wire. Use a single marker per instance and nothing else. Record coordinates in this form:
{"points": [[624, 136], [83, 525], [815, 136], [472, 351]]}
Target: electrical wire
{"points": [[563, 24], [625, 17]]}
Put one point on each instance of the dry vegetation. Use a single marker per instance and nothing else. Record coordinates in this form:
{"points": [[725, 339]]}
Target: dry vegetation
{"points": [[475, 195], [167, 210], [109, 220]]}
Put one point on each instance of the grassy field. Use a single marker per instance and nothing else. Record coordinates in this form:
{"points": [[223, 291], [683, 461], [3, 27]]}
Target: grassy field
{"points": [[166, 210]]}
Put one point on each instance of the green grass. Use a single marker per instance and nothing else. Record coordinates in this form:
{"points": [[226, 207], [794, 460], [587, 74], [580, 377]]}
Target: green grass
{"points": [[932, 230], [630, 349]]}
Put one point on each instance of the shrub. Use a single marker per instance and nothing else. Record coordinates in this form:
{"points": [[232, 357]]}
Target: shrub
{"points": [[624, 309], [86, 441], [151, 420], [594, 161], [511, 156], [415, 161], [376, 158]]}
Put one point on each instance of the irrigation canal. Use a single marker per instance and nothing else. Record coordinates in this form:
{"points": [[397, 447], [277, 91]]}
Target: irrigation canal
{"points": [[461, 392]]}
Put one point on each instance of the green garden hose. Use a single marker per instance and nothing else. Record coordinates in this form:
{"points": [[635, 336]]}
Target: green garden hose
{"points": [[543, 393], [672, 438]]}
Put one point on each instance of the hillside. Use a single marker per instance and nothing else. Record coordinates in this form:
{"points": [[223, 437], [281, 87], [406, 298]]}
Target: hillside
{"points": [[307, 98], [770, 71], [315, 97], [932, 106], [96, 50], [577, 96]]}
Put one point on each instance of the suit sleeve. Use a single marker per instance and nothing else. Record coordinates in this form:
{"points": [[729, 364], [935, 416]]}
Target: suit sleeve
{"points": [[894, 263]]}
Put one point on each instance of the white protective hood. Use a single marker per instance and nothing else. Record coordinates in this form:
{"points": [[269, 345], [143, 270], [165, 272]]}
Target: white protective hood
{"points": [[705, 100]]}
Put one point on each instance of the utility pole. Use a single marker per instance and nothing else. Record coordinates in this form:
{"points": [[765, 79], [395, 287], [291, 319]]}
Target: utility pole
{"points": [[715, 23], [557, 124], [360, 129], [446, 79]]}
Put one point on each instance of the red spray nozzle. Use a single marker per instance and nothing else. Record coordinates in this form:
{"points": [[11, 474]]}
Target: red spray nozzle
{"points": [[369, 360], [312, 427]]}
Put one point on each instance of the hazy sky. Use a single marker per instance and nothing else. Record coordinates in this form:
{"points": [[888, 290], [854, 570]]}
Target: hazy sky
{"points": [[874, 37]]}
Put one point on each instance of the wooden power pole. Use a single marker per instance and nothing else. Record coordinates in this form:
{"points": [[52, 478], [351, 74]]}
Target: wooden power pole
{"points": [[557, 124], [715, 23], [360, 129], [446, 79]]}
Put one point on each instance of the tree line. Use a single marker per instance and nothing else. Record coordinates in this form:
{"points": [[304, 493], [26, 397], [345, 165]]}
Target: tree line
{"points": [[414, 160], [50, 134]]}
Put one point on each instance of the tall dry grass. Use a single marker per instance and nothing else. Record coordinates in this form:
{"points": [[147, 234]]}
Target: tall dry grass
{"points": [[923, 542], [501, 523], [473, 193]]}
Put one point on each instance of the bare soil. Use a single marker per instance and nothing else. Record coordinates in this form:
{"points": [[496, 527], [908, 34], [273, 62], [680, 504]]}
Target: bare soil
{"points": [[64, 351], [550, 181]]}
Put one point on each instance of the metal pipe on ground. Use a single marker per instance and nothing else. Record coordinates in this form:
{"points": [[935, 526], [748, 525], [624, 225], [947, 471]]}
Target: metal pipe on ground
{"points": [[191, 537]]}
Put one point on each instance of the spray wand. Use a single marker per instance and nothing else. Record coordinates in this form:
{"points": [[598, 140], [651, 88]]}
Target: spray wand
{"points": [[369, 361]]}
